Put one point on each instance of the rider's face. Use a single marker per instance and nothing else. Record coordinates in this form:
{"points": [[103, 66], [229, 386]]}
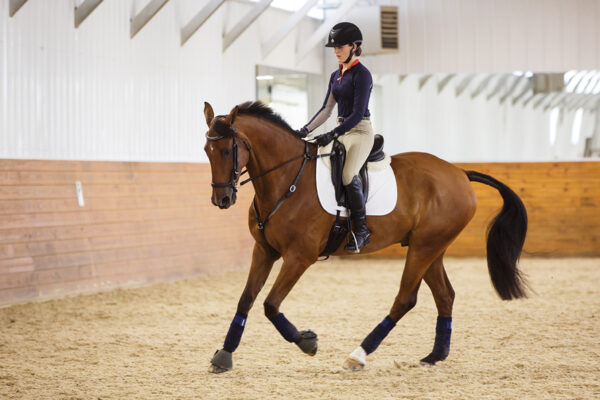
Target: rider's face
{"points": [[342, 52]]}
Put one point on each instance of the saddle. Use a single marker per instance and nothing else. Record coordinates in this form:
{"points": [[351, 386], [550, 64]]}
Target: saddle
{"points": [[337, 159], [340, 228]]}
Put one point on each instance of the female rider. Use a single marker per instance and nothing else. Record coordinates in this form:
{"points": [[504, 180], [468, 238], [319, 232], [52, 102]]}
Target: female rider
{"points": [[350, 87]]}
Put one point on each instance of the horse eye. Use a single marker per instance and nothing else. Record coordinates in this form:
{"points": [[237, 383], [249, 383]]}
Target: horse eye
{"points": [[226, 152]]}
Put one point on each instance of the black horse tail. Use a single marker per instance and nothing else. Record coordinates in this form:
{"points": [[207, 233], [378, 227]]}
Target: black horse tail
{"points": [[505, 238]]}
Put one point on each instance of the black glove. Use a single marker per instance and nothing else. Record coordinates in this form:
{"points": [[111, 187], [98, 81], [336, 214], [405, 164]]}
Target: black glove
{"points": [[302, 132], [326, 138]]}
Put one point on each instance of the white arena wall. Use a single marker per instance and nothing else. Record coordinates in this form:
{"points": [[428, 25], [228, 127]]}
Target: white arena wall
{"points": [[466, 129], [493, 36], [93, 93]]}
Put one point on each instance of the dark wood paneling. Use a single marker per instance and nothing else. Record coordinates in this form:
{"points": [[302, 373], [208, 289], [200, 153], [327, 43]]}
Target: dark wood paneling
{"points": [[146, 222], [562, 201], [142, 222]]}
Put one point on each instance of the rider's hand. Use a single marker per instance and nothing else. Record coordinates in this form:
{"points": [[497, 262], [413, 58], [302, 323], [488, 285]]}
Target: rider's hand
{"points": [[326, 138], [302, 132]]}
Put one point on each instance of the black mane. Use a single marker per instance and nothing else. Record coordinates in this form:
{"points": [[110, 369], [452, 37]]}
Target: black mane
{"points": [[262, 110], [257, 108]]}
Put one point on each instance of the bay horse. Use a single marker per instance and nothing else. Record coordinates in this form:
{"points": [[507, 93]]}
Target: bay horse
{"points": [[435, 203]]}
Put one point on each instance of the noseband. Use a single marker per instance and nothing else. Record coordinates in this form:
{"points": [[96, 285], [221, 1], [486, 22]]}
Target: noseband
{"points": [[235, 173]]}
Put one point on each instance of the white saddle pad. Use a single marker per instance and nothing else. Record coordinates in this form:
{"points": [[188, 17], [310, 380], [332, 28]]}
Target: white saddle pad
{"points": [[383, 193]]}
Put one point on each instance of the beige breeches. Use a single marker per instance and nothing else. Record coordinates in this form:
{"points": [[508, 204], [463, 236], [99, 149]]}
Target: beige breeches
{"points": [[358, 142]]}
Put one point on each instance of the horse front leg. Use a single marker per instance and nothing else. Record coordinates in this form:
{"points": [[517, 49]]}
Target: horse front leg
{"points": [[262, 262], [291, 270]]}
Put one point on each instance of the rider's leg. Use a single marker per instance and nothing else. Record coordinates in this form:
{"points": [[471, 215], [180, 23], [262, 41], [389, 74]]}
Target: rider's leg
{"points": [[358, 143], [356, 202]]}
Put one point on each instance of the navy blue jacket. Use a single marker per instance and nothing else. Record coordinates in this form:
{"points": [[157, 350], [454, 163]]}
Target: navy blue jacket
{"points": [[351, 91]]}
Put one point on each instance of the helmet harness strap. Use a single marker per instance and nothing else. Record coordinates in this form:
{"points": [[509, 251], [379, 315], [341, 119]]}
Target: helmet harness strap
{"points": [[351, 54]]}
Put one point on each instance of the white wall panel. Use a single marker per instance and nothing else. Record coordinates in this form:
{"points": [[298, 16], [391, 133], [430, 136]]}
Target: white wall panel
{"points": [[94, 93], [493, 35], [463, 129]]}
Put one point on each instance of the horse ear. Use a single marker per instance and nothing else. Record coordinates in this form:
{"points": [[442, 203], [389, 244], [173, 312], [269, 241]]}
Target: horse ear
{"points": [[208, 113], [231, 117]]}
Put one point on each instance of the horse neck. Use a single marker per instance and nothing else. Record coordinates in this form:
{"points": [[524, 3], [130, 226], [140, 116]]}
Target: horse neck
{"points": [[271, 146]]}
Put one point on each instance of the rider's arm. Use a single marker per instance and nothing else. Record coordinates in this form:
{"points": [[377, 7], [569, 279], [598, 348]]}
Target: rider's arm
{"points": [[325, 112], [363, 83]]}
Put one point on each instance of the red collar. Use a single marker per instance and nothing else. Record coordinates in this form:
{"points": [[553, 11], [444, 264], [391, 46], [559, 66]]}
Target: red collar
{"points": [[342, 66]]}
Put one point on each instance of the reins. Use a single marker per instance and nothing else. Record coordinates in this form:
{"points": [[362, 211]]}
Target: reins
{"points": [[235, 175], [288, 193]]}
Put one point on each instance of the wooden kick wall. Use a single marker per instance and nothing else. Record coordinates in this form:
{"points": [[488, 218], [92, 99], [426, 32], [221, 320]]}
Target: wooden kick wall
{"points": [[562, 201], [141, 223], [147, 222]]}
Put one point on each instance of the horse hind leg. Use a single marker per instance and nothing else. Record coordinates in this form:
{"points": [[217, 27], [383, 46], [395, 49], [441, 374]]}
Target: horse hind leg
{"points": [[418, 260], [443, 294]]}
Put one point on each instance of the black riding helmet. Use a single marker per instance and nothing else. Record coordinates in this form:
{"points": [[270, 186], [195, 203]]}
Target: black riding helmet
{"points": [[344, 33]]}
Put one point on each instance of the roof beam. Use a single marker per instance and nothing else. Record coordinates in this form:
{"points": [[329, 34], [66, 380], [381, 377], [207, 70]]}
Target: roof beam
{"points": [[245, 22], [575, 81], [592, 103], [552, 96], [142, 18], [531, 96], [579, 101], [84, 10], [14, 6], [482, 86], [462, 86], [541, 99], [584, 82], [401, 79], [444, 81], [318, 35], [557, 101], [501, 82], [512, 89], [287, 27], [527, 88], [199, 19], [423, 81]]}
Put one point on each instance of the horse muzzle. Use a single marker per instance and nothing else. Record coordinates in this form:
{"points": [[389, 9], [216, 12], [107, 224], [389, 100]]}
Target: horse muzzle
{"points": [[224, 200]]}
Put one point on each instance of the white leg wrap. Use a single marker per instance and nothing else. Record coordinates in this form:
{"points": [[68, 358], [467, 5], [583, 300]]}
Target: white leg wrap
{"points": [[359, 355]]}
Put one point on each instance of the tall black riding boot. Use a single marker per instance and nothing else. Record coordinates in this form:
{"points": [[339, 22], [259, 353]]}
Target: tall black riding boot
{"points": [[356, 202]]}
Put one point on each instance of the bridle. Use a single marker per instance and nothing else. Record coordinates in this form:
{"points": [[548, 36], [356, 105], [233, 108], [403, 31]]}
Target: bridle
{"points": [[235, 173]]}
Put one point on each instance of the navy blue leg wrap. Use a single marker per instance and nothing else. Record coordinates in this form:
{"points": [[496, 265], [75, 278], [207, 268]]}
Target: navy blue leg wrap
{"points": [[374, 339], [234, 335], [286, 328], [443, 332]]}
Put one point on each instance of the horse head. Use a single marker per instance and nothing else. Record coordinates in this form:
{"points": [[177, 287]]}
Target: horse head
{"points": [[226, 158]]}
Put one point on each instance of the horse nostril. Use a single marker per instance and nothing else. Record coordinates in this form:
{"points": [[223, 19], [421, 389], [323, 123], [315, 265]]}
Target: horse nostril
{"points": [[225, 202]]}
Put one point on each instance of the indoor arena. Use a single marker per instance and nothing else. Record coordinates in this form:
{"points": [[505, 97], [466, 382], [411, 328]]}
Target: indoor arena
{"points": [[322, 199]]}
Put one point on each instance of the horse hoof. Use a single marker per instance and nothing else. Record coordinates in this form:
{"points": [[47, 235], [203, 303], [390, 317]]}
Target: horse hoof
{"points": [[353, 365], [217, 370], [221, 362], [357, 360], [308, 342], [431, 359]]}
